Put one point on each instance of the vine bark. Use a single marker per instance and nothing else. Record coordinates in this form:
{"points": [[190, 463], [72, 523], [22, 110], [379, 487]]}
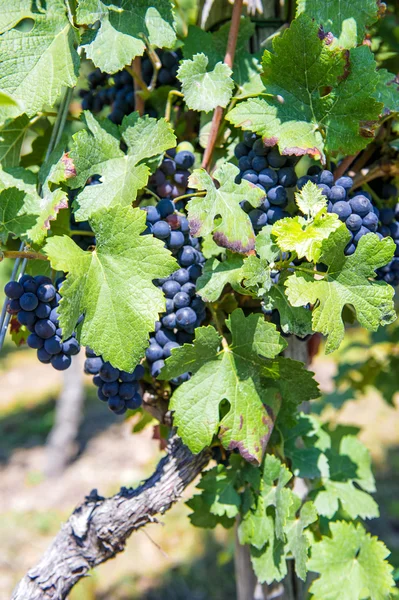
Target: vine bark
{"points": [[98, 528]]}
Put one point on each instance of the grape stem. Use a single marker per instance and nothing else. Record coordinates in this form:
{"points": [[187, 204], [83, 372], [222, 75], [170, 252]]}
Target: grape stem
{"points": [[390, 169], [218, 326], [138, 84], [229, 60], [169, 103], [156, 65], [22, 254], [73, 232], [199, 194], [151, 193]]}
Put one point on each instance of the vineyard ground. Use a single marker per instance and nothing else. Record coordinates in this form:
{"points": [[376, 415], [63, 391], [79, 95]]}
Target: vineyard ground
{"points": [[170, 562]]}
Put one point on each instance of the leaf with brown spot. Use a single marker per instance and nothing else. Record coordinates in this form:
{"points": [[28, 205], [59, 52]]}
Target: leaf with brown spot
{"points": [[219, 212], [315, 99], [248, 376]]}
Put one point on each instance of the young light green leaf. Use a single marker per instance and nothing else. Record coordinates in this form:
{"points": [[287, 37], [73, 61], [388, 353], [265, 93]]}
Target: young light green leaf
{"points": [[234, 231], [296, 113], [297, 541], [351, 564], [387, 92], [11, 138], [205, 90], [37, 64], [97, 151], [238, 374], [276, 534], [112, 286], [306, 237], [348, 465], [265, 245], [355, 502], [347, 282], [310, 200], [256, 276], [124, 27], [347, 22], [216, 275]]}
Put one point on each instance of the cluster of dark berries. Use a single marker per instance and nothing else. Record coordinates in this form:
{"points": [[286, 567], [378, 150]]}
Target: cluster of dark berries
{"points": [[171, 178], [273, 173], [121, 390], [34, 301], [184, 309]]}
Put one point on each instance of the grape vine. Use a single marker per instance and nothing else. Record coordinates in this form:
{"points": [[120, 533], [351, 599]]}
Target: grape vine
{"points": [[189, 208]]}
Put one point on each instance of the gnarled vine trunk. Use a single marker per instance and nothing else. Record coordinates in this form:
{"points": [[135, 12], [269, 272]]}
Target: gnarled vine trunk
{"points": [[98, 528]]}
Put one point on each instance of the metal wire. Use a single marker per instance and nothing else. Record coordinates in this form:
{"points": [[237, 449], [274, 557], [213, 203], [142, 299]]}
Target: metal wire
{"points": [[5, 316]]}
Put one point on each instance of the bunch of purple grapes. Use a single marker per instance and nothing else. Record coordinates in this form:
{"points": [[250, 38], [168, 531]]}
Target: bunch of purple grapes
{"points": [[171, 178], [34, 301], [184, 309], [121, 390], [275, 174], [119, 96], [167, 73], [389, 226]]}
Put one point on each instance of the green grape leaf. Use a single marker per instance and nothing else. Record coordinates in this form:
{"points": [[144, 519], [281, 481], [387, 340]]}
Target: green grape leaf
{"points": [[234, 231], [123, 27], [257, 526], [349, 464], [387, 92], [205, 90], [216, 275], [347, 22], [202, 516], [96, 151], [310, 199], [112, 286], [37, 64], [351, 564], [305, 444], [346, 282], [272, 528], [256, 276], [306, 237], [219, 491], [355, 503], [14, 221], [297, 541], [31, 210], [325, 107], [241, 374], [265, 245], [238, 374], [293, 319], [246, 67], [11, 138]]}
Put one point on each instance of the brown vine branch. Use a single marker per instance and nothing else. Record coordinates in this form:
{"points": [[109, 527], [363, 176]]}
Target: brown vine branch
{"points": [[22, 254], [344, 166], [138, 85], [380, 170], [229, 60], [98, 528]]}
